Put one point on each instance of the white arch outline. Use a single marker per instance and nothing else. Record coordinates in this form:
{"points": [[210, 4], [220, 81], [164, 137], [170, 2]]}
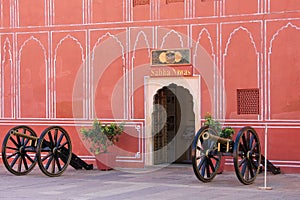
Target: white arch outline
{"points": [[197, 46], [291, 25], [240, 28], [2, 70], [169, 33], [115, 38], [68, 36], [140, 34], [18, 99]]}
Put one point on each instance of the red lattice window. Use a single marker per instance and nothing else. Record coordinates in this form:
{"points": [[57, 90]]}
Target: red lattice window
{"points": [[248, 101]]}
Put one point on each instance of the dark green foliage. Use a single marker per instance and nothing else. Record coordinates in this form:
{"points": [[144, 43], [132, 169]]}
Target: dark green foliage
{"points": [[225, 132], [101, 136]]}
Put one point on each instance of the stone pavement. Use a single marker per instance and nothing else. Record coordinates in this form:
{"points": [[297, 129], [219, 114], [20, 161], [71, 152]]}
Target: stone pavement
{"points": [[170, 182]]}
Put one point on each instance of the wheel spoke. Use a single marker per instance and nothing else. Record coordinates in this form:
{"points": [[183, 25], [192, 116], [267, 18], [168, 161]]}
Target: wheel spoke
{"points": [[29, 158], [58, 163], [203, 168], [250, 169], [201, 163], [12, 155], [244, 146], [244, 168], [26, 142], [200, 157], [49, 162], [59, 141], [215, 158], [254, 146], [12, 148], [12, 164], [50, 138], [47, 156], [18, 140], [251, 141], [25, 162], [61, 146], [20, 164], [55, 137], [248, 139], [211, 165], [207, 168], [14, 141], [53, 165], [242, 162]]}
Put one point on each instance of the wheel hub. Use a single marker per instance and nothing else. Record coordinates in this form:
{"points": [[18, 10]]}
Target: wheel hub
{"points": [[21, 149], [249, 154], [54, 150]]}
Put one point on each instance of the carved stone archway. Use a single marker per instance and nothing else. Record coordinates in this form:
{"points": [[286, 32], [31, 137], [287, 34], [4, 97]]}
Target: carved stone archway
{"points": [[189, 85]]}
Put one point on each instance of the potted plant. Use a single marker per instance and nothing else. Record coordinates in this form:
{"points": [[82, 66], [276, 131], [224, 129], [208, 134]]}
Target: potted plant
{"points": [[225, 132], [99, 138]]}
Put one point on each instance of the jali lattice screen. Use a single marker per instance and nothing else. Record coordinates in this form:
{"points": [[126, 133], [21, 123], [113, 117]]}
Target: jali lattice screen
{"points": [[248, 101]]}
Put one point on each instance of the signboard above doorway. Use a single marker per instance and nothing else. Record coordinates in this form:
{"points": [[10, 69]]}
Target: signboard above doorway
{"points": [[170, 57]]}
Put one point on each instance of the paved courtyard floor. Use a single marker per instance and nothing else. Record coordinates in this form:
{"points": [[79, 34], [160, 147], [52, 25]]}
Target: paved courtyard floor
{"points": [[170, 182]]}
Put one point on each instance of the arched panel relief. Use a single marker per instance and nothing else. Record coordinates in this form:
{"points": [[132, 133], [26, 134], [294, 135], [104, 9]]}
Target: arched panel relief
{"points": [[241, 60], [204, 44], [171, 39], [283, 88], [7, 78], [204, 49], [68, 57], [31, 78], [234, 32], [108, 79], [140, 67]]}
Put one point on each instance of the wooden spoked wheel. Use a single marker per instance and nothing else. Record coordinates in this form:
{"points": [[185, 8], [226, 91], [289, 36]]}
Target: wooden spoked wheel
{"points": [[205, 157], [247, 155], [18, 152], [54, 151]]}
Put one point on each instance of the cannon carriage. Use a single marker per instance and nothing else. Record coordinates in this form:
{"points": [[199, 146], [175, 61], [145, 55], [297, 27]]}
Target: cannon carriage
{"points": [[22, 149], [208, 149]]}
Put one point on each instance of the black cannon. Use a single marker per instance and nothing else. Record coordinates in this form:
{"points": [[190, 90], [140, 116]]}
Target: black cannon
{"points": [[208, 148], [22, 149]]}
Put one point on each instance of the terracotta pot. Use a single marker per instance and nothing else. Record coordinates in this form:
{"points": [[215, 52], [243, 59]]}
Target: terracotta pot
{"points": [[105, 161]]}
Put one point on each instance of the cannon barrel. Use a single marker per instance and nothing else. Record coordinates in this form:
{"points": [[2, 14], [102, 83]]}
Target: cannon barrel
{"points": [[15, 132], [208, 136]]}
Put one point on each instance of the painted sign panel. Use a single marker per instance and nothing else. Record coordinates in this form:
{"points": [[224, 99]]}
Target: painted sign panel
{"points": [[169, 57]]}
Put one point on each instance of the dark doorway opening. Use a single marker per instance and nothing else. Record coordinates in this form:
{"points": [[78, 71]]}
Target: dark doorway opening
{"points": [[173, 121]]}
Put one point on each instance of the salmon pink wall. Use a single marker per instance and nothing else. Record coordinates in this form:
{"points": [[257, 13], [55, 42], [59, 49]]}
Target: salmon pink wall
{"points": [[68, 63]]}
